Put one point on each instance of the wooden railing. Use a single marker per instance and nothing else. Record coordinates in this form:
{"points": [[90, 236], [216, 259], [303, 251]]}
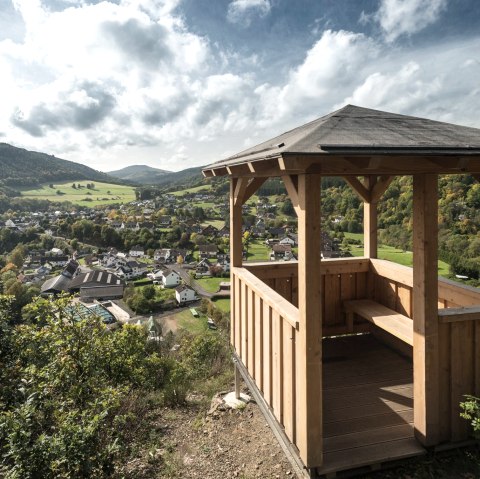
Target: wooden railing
{"points": [[458, 338], [342, 279], [265, 327], [264, 332]]}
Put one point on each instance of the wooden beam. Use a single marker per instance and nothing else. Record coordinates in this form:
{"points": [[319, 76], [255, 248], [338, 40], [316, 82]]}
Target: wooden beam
{"points": [[238, 170], [370, 240], [453, 315], [309, 343], [240, 189], [380, 187], [236, 247], [208, 173], [252, 188], [425, 309], [291, 184], [262, 165], [362, 192]]}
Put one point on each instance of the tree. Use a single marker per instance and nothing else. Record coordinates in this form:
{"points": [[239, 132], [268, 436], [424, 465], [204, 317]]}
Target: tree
{"points": [[67, 391], [74, 186]]}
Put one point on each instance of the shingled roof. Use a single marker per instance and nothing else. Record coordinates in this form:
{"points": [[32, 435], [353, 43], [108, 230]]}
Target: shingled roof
{"points": [[355, 130]]}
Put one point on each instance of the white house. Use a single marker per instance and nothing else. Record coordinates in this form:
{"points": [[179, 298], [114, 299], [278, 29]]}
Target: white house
{"points": [[287, 240], [184, 294], [170, 279], [137, 251], [167, 277]]}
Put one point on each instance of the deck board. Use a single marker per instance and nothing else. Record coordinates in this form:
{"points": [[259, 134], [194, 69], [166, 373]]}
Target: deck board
{"points": [[368, 404]]}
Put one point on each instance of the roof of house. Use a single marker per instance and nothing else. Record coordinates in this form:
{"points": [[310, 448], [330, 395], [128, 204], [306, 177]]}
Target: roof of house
{"points": [[208, 248], [354, 130], [101, 277], [183, 287], [281, 248], [56, 284]]}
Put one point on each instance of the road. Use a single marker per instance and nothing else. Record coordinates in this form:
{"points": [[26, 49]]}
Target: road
{"points": [[185, 275]]}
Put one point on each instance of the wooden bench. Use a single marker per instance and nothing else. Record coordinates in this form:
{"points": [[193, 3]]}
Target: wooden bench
{"points": [[385, 318]]}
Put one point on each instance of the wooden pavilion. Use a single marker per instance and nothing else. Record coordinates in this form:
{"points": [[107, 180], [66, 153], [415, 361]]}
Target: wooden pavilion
{"points": [[337, 399]]}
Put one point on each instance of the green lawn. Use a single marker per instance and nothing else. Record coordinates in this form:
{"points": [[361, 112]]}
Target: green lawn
{"points": [[211, 284], [196, 189], [258, 251], [219, 224], [185, 320], [102, 194], [393, 254], [222, 304]]}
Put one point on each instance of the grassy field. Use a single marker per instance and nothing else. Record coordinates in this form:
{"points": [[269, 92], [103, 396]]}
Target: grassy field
{"points": [[222, 304], [393, 254], [185, 320], [102, 194], [196, 189], [210, 284], [258, 251], [219, 224]]}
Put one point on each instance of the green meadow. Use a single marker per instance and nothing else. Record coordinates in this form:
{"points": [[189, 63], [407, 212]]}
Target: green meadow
{"points": [[393, 254], [101, 194]]}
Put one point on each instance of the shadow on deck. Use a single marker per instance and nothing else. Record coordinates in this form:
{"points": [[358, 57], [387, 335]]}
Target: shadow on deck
{"points": [[368, 404]]}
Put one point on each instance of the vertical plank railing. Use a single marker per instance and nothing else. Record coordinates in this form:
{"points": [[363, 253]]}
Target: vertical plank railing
{"points": [[266, 328], [343, 278]]}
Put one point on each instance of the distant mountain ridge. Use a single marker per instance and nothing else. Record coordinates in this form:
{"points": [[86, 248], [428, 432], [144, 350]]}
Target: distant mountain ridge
{"points": [[142, 174], [23, 168], [149, 176]]}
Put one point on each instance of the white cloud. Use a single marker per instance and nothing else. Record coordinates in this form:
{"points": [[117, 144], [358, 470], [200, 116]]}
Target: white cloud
{"points": [[243, 11], [406, 17], [128, 82]]}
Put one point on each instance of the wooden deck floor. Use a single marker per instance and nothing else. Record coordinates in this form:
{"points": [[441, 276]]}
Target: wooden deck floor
{"points": [[368, 404]]}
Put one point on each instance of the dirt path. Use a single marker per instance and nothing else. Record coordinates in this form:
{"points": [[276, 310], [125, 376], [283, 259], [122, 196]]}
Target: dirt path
{"points": [[227, 444]]}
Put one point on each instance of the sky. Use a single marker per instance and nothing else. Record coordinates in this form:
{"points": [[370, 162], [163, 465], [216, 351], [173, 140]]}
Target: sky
{"points": [[181, 83]]}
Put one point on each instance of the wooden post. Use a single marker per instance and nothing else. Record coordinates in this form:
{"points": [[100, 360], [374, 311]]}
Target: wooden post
{"points": [[425, 308], [309, 344], [370, 241], [236, 250]]}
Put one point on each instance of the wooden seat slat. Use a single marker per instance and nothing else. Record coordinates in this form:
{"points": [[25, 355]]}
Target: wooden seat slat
{"points": [[385, 318]]}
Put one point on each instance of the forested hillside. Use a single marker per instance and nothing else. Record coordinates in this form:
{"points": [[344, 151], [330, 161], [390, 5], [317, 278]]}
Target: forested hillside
{"points": [[142, 174], [24, 168]]}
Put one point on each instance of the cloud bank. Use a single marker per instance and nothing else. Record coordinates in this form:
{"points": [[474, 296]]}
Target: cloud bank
{"points": [[131, 81]]}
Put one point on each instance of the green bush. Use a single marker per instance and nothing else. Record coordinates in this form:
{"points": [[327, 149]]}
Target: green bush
{"points": [[66, 385], [471, 412]]}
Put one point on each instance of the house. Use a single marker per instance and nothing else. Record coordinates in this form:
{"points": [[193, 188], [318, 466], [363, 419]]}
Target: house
{"points": [[137, 251], [170, 279], [287, 240], [184, 294], [281, 252], [165, 221], [203, 267], [224, 232], [55, 261], [277, 232], [207, 251], [162, 255], [210, 230]]}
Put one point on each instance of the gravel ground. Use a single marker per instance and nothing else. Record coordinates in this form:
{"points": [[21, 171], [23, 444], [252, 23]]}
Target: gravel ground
{"points": [[228, 443]]}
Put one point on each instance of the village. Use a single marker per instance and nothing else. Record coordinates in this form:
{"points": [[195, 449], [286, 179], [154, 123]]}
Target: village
{"points": [[88, 255]]}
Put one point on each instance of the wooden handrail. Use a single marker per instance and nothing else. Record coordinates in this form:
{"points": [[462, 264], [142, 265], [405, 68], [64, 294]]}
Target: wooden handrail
{"points": [[448, 290], [286, 309], [453, 315], [271, 269]]}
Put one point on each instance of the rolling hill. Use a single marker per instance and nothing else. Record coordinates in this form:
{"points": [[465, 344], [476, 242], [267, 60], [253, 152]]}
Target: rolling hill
{"points": [[141, 174], [24, 168]]}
